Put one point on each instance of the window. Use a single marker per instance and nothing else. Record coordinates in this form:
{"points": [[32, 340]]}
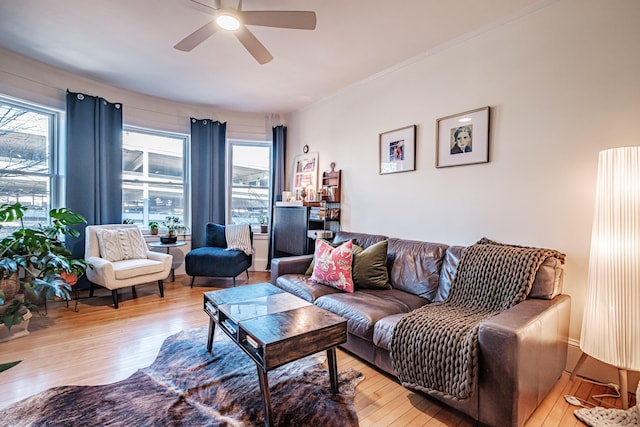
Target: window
{"points": [[28, 137], [250, 175], [153, 171]]}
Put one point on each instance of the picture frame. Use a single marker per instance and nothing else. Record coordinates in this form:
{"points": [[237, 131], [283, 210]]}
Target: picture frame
{"points": [[398, 150], [463, 138], [305, 176]]}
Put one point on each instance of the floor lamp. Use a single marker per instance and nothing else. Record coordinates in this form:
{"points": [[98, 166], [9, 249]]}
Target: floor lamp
{"points": [[611, 321]]}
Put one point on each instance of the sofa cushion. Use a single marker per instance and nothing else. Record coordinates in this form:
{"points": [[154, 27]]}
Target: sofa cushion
{"points": [[364, 308], [332, 266], [214, 235], [448, 271], [548, 281], [129, 268], [416, 266], [121, 244], [301, 286], [361, 239], [335, 244], [383, 330], [370, 266], [216, 262], [546, 285]]}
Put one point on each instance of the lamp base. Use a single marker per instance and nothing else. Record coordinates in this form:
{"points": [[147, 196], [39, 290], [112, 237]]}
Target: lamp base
{"points": [[622, 375]]}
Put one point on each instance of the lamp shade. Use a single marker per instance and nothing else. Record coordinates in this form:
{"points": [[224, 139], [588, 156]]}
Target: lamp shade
{"points": [[611, 322]]}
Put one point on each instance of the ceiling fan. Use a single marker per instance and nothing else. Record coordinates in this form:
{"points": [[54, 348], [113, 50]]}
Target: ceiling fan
{"points": [[236, 20]]}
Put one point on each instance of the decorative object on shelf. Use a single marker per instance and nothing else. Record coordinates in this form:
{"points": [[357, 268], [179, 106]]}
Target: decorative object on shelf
{"points": [[611, 321], [35, 258], [398, 150], [128, 221], [153, 226], [463, 139], [305, 149], [331, 184], [305, 174]]}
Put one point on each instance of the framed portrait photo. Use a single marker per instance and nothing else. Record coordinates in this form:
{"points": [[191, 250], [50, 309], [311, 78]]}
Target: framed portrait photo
{"points": [[398, 150], [463, 139]]}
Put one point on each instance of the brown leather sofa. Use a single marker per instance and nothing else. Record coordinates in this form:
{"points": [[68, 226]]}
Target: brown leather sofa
{"points": [[523, 350]]}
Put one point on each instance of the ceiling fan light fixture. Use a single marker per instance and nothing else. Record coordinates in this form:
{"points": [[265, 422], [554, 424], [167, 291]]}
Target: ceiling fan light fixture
{"points": [[228, 22]]}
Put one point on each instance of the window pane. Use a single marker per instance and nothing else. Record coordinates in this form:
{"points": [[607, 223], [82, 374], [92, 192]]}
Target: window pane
{"points": [[165, 166], [133, 205], [165, 200], [132, 161], [30, 191], [24, 140], [250, 185], [249, 204]]}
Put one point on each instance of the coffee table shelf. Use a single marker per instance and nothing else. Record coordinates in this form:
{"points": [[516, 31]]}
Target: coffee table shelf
{"points": [[273, 328]]}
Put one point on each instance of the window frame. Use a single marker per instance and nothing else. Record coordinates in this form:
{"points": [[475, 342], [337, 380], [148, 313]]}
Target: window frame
{"points": [[186, 168], [231, 142], [56, 162]]}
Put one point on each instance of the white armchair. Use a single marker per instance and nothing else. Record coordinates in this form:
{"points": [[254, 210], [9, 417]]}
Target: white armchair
{"points": [[121, 258]]}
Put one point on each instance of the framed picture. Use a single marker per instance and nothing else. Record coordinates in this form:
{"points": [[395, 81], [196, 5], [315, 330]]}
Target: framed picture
{"points": [[398, 150], [305, 176], [463, 139]]}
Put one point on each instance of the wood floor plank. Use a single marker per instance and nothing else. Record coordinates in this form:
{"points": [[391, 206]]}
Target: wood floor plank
{"points": [[99, 344]]}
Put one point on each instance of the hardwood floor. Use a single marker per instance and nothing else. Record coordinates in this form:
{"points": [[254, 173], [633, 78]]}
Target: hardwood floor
{"points": [[98, 344]]}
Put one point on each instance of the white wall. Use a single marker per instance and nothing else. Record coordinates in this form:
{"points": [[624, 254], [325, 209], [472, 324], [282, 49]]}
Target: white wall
{"points": [[563, 83], [36, 82]]}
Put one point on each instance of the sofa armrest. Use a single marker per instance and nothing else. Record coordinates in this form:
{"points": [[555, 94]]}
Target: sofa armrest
{"points": [[523, 352], [289, 265]]}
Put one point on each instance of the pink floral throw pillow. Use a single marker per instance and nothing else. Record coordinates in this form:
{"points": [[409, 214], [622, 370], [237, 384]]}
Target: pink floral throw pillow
{"points": [[333, 265]]}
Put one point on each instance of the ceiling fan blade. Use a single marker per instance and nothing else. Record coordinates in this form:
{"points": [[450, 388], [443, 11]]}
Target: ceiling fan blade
{"points": [[253, 45], [198, 36], [206, 6], [299, 20]]}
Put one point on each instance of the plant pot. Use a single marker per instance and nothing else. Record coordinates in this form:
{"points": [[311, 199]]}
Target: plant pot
{"points": [[264, 228], [17, 331], [154, 231], [10, 286]]}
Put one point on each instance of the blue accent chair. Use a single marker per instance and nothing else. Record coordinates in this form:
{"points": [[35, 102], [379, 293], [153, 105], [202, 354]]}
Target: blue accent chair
{"points": [[214, 260]]}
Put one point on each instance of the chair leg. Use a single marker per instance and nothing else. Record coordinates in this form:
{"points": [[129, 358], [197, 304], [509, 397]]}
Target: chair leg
{"points": [[193, 278], [92, 287], [247, 271], [133, 291], [161, 286], [234, 281], [114, 294]]}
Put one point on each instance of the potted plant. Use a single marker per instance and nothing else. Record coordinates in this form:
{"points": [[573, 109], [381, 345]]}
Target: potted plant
{"points": [[35, 259], [173, 224], [264, 228], [153, 226]]}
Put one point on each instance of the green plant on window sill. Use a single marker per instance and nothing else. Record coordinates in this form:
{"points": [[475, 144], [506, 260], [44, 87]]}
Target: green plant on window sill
{"points": [[173, 224], [36, 258], [153, 226]]}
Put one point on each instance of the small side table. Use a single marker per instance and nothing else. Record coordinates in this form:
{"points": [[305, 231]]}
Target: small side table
{"points": [[171, 276]]}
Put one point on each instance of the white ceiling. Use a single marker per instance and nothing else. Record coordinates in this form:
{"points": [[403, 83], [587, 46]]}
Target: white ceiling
{"points": [[129, 44]]}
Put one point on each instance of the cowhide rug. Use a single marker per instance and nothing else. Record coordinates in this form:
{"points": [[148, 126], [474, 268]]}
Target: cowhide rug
{"points": [[187, 386]]}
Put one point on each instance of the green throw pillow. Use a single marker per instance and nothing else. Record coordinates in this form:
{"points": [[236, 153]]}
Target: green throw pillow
{"points": [[309, 271], [370, 266]]}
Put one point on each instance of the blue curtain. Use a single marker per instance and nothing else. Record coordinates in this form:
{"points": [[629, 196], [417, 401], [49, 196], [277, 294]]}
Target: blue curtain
{"points": [[208, 149], [93, 164], [278, 167]]}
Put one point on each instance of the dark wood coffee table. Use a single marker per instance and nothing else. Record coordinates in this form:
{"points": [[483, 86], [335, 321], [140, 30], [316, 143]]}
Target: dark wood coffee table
{"points": [[274, 327]]}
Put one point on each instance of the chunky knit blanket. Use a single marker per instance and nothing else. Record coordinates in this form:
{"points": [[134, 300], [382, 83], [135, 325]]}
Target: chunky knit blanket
{"points": [[435, 348]]}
